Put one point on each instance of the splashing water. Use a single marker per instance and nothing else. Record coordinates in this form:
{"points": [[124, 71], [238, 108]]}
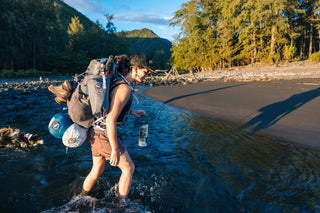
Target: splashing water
{"points": [[191, 164]]}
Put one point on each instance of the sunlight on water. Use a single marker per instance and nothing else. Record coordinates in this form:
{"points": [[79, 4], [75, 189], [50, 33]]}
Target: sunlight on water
{"points": [[191, 164]]}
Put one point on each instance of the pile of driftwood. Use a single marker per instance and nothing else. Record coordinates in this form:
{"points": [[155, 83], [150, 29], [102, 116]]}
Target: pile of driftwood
{"points": [[170, 77]]}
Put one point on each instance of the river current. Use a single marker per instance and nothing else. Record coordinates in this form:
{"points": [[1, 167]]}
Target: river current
{"points": [[192, 163]]}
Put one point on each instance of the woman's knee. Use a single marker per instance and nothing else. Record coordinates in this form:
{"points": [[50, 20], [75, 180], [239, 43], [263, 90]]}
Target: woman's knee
{"points": [[128, 168], [127, 165], [131, 167]]}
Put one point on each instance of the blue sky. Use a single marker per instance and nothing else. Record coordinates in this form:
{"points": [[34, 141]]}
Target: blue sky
{"points": [[134, 14]]}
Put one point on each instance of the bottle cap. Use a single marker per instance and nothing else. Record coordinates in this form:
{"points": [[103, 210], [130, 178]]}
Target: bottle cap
{"points": [[141, 121]]}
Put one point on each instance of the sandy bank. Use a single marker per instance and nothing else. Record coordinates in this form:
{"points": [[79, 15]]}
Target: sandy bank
{"points": [[283, 108]]}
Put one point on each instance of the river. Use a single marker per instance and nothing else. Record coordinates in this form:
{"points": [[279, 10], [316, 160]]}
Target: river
{"points": [[192, 163]]}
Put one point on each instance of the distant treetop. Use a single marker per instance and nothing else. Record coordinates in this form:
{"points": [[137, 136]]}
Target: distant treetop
{"points": [[143, 33]]}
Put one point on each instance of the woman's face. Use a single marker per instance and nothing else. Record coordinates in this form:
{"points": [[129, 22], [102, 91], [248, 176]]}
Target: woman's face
{"points": [[140, 74]]}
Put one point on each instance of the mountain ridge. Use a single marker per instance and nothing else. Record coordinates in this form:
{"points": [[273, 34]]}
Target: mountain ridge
{"points": [[139, 40], [50, 35]]}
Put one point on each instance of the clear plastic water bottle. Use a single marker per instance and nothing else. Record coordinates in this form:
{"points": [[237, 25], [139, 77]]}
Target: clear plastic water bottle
{"points": [[142, 123], [143, 134]]}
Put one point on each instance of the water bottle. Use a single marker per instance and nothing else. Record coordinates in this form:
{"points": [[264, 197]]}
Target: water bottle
{"points": [[143, 135]]}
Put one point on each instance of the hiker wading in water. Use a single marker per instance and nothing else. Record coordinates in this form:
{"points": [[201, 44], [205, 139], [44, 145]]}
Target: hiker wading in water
{"points": [[109, 146]]}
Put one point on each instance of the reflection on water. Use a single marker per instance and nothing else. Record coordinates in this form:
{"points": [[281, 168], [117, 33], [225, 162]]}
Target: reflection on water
{"points": [[191, 164]]}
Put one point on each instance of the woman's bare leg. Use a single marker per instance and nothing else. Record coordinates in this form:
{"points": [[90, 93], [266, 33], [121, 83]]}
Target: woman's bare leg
{"points": [[127, 167], [98, 167]]}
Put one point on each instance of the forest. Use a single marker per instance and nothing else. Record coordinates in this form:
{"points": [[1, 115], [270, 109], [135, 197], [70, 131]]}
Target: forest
{"points": [[49, 35], [219, 34]]}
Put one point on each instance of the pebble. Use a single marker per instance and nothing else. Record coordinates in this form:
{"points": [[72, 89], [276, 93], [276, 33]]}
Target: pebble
{"points": [[27, 86]]}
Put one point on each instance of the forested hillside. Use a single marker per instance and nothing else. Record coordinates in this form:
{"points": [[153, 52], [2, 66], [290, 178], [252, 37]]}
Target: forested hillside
{"points": [[217, 34], [146, 41], [51, 36]]}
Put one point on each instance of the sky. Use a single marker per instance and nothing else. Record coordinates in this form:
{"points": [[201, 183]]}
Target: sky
{"points": [[133, 14]]}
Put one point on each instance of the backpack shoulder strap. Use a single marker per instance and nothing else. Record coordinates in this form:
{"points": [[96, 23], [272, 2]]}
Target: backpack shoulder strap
{"points": [[116, 83]]}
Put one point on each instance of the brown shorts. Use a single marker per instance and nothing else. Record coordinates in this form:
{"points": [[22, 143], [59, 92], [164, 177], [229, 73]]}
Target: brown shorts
{"points": [[100, 145]]}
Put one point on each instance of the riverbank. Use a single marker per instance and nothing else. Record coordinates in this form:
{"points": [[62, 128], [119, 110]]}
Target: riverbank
{"points": [[284, 104], [281, 101]]}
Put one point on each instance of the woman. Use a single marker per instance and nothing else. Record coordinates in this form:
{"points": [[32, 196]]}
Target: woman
{"points": [[111, 147]]}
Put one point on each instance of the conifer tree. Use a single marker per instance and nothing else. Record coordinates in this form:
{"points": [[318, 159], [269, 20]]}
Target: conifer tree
{"points": [[250, 19], [274, 16], [12, 31], [242, 32], [76, 34], [186, 49], [159, 59], [75, 27], [312, 19], [228, 29]]}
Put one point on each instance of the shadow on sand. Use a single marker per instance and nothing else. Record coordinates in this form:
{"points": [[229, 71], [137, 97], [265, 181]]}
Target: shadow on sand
{"points": [[199, 93], [272, 113]]}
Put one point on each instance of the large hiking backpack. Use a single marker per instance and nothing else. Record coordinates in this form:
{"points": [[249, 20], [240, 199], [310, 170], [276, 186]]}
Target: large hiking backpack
{"points": [[90, 99]]}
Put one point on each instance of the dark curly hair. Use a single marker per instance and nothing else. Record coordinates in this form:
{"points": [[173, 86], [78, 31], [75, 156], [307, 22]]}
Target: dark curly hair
{"points": [[123, 64]]}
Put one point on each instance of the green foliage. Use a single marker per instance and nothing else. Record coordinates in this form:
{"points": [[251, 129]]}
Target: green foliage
{"points": [[110, 26], [160, 60], [66, 63], [50, 35], [23, 73], [289, 52], [262, 56], [144, 33], [315, 57], [150, 44], [224, 33], [75, 27]]}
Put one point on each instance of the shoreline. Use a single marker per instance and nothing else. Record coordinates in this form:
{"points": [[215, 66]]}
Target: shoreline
{"points": [[285, 108], [280, 101]]}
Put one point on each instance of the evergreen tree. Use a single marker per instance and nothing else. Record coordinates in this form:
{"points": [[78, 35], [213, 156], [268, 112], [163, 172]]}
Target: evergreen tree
{"points": [[38, 34], [75, 27], [250, 24], [222, 33], [110, 28], [40, 16], [312, 20], [159, 60], [189, 46], [77, 41], [12, 31], [228, 30]]}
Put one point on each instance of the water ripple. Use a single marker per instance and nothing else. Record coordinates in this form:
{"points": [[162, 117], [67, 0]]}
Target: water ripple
{"points": [[191, 164]]}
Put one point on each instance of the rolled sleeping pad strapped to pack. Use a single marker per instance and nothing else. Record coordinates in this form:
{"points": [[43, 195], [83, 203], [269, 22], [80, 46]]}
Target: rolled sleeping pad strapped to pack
{"points": [[58, 124], [61, 126], [74, 136]]}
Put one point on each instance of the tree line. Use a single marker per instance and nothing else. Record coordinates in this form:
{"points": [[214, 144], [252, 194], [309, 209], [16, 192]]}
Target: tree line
{"points": [[40, 35], [49, 35], [225, 33]]}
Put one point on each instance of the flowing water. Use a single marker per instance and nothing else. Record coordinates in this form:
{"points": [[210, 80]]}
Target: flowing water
{"points": [[191, 164]]}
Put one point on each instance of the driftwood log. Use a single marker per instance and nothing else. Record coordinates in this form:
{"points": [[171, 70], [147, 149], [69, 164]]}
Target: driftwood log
{"points": [[191, 73], [172, 74]]}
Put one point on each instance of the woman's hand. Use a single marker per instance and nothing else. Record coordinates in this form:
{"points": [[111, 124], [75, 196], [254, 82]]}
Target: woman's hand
{"points": [[114, 158], [138, 113]]}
